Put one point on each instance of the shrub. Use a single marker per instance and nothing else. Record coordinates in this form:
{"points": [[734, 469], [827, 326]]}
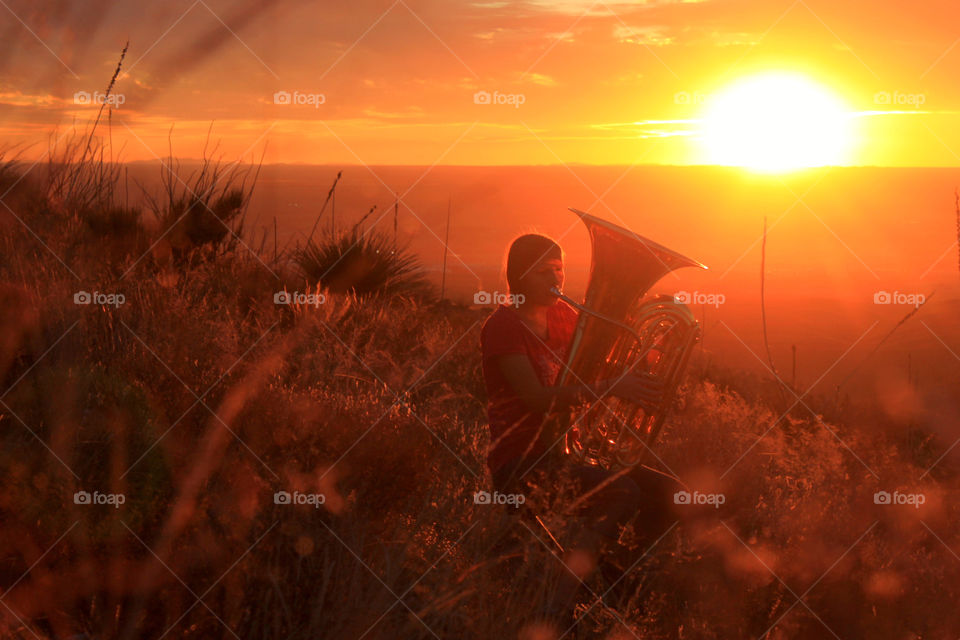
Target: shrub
{"points": [[363, 263]]}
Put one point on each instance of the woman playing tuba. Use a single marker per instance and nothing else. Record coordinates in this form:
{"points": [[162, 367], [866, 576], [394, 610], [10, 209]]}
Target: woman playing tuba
{"points": [[526, 346]]}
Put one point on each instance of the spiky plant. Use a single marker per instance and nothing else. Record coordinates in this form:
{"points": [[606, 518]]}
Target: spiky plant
{"points": [[112, 220], [362, 263], [205, 208]]}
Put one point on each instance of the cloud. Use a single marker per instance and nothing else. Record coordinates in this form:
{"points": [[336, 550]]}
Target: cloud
{"points": [[651, 128], [602, 8], [655, 35], [18, 99], [541, 79], [413, 112]]}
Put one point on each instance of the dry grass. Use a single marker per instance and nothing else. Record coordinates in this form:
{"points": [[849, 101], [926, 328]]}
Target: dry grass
{"points": [[285, 394]]}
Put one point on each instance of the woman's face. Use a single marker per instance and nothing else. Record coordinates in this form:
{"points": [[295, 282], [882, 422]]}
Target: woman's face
{"points": [[545, 275]]}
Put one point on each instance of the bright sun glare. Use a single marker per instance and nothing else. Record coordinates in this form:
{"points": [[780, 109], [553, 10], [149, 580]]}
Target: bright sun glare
{"points": [[776, 122]]}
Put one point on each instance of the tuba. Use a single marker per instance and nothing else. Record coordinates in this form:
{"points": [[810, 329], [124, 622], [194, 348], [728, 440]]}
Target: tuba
{"points": [[618, 332]]}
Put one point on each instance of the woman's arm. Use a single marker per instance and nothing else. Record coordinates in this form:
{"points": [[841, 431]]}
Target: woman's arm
{"points": [[522, 378]]}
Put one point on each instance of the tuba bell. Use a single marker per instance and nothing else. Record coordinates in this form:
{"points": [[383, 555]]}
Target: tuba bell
{"points": [[618, 332]]}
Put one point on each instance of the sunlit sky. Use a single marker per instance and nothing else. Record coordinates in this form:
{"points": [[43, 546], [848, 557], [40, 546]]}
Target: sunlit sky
{"points": [[397, 82]]}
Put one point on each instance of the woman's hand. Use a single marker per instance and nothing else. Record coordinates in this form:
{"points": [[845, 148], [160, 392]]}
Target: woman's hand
{"points": [[641, 389]]}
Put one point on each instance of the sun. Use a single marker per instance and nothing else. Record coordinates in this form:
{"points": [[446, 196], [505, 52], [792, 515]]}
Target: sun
{"points": [[776, 122]]}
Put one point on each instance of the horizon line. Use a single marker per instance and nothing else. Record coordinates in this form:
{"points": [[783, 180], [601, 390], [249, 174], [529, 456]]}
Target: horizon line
{"points": [[550, 165]]}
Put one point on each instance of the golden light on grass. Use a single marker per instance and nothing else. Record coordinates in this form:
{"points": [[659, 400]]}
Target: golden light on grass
{"points": [[777, 122]]}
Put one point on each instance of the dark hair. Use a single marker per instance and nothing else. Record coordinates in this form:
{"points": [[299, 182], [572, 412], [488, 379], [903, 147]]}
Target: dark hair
{"points": [[525, 252]]}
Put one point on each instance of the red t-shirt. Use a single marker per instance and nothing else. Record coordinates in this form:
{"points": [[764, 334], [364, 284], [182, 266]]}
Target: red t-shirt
{"points": [[505, 333]]}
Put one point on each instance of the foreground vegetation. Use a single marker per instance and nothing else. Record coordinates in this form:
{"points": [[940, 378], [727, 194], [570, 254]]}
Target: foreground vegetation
{"points": [[196, 397]]}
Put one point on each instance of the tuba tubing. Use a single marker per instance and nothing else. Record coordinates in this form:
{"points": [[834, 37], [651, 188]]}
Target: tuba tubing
{"points": [[621, 331]]}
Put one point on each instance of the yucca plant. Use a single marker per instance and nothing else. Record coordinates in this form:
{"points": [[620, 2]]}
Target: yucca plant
{"points": [[205, 209], [362, 263], [203, 219], [112, 220]]}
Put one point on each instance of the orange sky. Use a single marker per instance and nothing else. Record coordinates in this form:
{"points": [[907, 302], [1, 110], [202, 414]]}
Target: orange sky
{"points": [[600, 82]]}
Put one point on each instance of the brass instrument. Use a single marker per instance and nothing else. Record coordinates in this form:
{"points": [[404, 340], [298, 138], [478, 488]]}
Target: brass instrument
{"points": [[620, 331]]}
